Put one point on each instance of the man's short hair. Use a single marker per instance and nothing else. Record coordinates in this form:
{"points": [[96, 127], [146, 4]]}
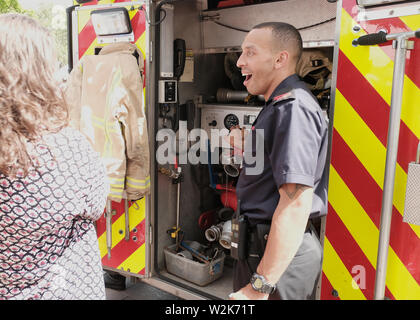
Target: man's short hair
{"points": [[285, 37]]}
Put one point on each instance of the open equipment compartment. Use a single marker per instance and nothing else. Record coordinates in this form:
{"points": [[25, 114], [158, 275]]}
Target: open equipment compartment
{"points": [[211, 35]]}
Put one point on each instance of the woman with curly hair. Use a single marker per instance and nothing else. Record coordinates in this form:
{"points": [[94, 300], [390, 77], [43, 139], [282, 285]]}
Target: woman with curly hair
{"points": [[52, 183]]}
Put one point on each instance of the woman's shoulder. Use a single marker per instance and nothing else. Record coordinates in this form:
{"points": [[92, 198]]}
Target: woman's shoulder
{"points": [[66, 136], [68, 141]]}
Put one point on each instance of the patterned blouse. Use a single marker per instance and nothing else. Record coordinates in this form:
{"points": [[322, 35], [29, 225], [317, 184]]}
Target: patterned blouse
{"points": [[48, 243]]}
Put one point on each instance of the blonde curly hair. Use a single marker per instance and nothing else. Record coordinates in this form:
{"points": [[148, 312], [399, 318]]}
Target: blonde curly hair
{"points": [[31, 103]]}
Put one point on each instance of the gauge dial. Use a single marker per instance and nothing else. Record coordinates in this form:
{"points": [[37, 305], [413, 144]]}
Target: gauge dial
{"points": [[231, 120]]}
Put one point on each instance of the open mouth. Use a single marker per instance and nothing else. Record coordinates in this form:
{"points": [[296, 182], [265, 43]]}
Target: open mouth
{"points": [[247, 76]]}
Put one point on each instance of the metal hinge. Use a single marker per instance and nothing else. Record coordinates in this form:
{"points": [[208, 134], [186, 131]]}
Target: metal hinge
{"points": [[209, 16], [151, 52], [150, 235]]}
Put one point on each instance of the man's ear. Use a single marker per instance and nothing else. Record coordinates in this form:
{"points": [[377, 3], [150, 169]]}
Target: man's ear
{"points": [[282, 58]]}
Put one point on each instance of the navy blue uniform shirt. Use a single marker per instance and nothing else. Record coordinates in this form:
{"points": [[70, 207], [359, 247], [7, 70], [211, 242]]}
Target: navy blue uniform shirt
{"points": [[295, 144]]}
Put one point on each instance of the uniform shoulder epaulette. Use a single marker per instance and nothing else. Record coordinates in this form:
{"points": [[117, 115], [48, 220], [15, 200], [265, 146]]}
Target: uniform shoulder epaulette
{"points": [[287, 95]]}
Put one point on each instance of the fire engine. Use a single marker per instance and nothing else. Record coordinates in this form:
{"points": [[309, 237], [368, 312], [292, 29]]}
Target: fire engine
{"points": [[177, 238]]}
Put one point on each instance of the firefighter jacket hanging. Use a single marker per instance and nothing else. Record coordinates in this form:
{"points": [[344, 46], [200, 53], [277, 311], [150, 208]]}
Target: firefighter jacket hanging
{"points": [[105, 97]]}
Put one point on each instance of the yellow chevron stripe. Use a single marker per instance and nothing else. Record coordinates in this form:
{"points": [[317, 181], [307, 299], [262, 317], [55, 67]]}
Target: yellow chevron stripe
{"points": [[136, 261], [399, 281], [131, 13], [106, 1], [83, 18], [378, 72], [141, 44], [135, 216], [413, 22], [100, 2], [338, 275], [353, 216], [368, 149], [91, 50]]}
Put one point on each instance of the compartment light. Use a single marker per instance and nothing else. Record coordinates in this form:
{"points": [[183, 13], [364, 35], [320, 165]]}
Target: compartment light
{"points": [[112, 21]]}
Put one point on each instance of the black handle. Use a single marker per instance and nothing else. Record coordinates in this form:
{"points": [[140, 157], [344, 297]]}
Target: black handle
{"points": [[371, 39], [179, 57], [70, 61], [417, 33]]}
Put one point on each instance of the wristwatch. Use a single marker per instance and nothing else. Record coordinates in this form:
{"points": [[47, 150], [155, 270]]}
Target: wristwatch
{"points": [[260, 284]]}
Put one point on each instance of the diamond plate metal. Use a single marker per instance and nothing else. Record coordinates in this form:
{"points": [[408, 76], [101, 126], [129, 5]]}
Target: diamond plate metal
{"points": [[412, 195]]}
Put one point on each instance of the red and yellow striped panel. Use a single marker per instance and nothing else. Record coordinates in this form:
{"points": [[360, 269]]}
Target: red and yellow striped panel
{"points": [[126, 255], [361, 115]]}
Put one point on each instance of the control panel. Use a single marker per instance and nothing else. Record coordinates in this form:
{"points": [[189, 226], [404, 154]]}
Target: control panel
{"points": [[167, 91], [223, 117]]}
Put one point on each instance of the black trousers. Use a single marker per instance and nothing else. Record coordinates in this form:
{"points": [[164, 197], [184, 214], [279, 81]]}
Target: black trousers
{"points": [[299, 280]]}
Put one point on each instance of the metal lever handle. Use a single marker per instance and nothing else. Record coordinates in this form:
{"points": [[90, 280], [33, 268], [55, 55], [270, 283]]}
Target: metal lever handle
{"points": [[127, 220], [371, 39], [108, 216], [382, 37]]}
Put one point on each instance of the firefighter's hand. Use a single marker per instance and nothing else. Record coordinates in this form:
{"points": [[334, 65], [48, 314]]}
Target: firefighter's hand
{"points": [[236, 138], [248, 293]]}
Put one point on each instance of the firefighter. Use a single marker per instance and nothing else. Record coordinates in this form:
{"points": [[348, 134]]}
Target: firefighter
{"points": [[283, 254]]}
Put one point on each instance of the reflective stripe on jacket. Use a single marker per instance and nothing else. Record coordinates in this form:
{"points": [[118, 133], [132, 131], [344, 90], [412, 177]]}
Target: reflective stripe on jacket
{"points": [[105, 97]]}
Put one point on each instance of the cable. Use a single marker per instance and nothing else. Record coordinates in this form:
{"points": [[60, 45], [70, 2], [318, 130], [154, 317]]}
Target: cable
{"points": [[316, 24], [142, 7], [243, 30], [159, 9], [230, 27]]}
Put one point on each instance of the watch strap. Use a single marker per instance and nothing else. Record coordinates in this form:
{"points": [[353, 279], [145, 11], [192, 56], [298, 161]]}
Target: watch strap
{"points": [[265, 287]]}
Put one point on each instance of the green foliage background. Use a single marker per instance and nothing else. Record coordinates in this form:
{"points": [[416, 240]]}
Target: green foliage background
{"points": [[49, 17], [10, 6]]}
